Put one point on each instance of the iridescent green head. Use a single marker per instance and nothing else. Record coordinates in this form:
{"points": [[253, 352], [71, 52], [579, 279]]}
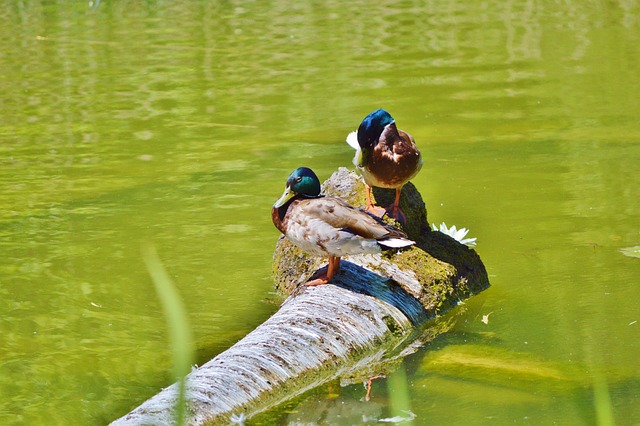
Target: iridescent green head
{"points": [[302, 181], [371, 128]]}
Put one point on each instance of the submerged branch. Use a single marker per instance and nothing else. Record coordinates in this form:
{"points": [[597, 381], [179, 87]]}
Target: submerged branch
{"points": [[366, 317]]}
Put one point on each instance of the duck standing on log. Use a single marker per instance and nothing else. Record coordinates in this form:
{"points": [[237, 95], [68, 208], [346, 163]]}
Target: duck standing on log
{"points": [[386, 157], [328, 226]]}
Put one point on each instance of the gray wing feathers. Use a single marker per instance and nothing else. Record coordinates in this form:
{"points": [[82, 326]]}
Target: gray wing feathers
{"points": [[341, 215]]}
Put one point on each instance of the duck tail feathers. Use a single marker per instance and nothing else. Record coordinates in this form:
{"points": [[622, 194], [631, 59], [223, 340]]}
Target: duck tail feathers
{"points": [[352, 140], [395, 242]]}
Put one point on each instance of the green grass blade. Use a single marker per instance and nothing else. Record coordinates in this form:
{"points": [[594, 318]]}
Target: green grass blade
{"points": [[175, 313]]}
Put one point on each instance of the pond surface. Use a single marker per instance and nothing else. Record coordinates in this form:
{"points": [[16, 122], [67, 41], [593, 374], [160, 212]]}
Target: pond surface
{"points": [[177, 123]]}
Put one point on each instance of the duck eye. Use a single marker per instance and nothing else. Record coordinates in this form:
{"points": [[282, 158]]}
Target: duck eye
{"points": [[299, 179]]}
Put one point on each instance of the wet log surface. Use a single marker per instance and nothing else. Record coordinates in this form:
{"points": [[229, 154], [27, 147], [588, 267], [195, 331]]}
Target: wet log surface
{"points": [[373, 313]]}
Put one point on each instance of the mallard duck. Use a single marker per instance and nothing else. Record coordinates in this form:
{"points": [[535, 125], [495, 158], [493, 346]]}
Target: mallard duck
{"points": [[386, 157], [328, 226]]}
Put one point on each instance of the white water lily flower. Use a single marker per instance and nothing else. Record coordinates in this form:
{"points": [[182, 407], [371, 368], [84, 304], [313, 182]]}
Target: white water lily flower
{"points": [[457, 234]]}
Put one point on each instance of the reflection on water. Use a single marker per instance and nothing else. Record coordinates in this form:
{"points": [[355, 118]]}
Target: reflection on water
{"points": [[176, 123]]}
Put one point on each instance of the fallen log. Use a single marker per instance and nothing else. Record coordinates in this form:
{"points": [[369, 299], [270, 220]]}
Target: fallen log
{"points": [[359, 324]]}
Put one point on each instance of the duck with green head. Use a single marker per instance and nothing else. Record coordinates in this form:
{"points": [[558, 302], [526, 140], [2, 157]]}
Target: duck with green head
{"points": [[328, 226], [386, 157]]}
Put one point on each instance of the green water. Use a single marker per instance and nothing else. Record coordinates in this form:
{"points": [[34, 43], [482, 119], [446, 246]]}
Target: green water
{"points": [[177, 123]]}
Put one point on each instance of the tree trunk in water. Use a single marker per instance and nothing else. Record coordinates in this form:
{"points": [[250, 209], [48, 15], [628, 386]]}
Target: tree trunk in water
{"points": [[359, 324]]}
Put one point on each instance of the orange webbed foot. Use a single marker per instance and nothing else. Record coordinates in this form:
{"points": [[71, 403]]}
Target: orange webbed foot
{"points": [[395, 212], [318, 281], [394, 209], [332, 269], [376, 211]]}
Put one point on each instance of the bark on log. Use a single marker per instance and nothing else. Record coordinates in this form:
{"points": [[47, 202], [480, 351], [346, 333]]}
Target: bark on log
{"points": [[364, 319]]}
